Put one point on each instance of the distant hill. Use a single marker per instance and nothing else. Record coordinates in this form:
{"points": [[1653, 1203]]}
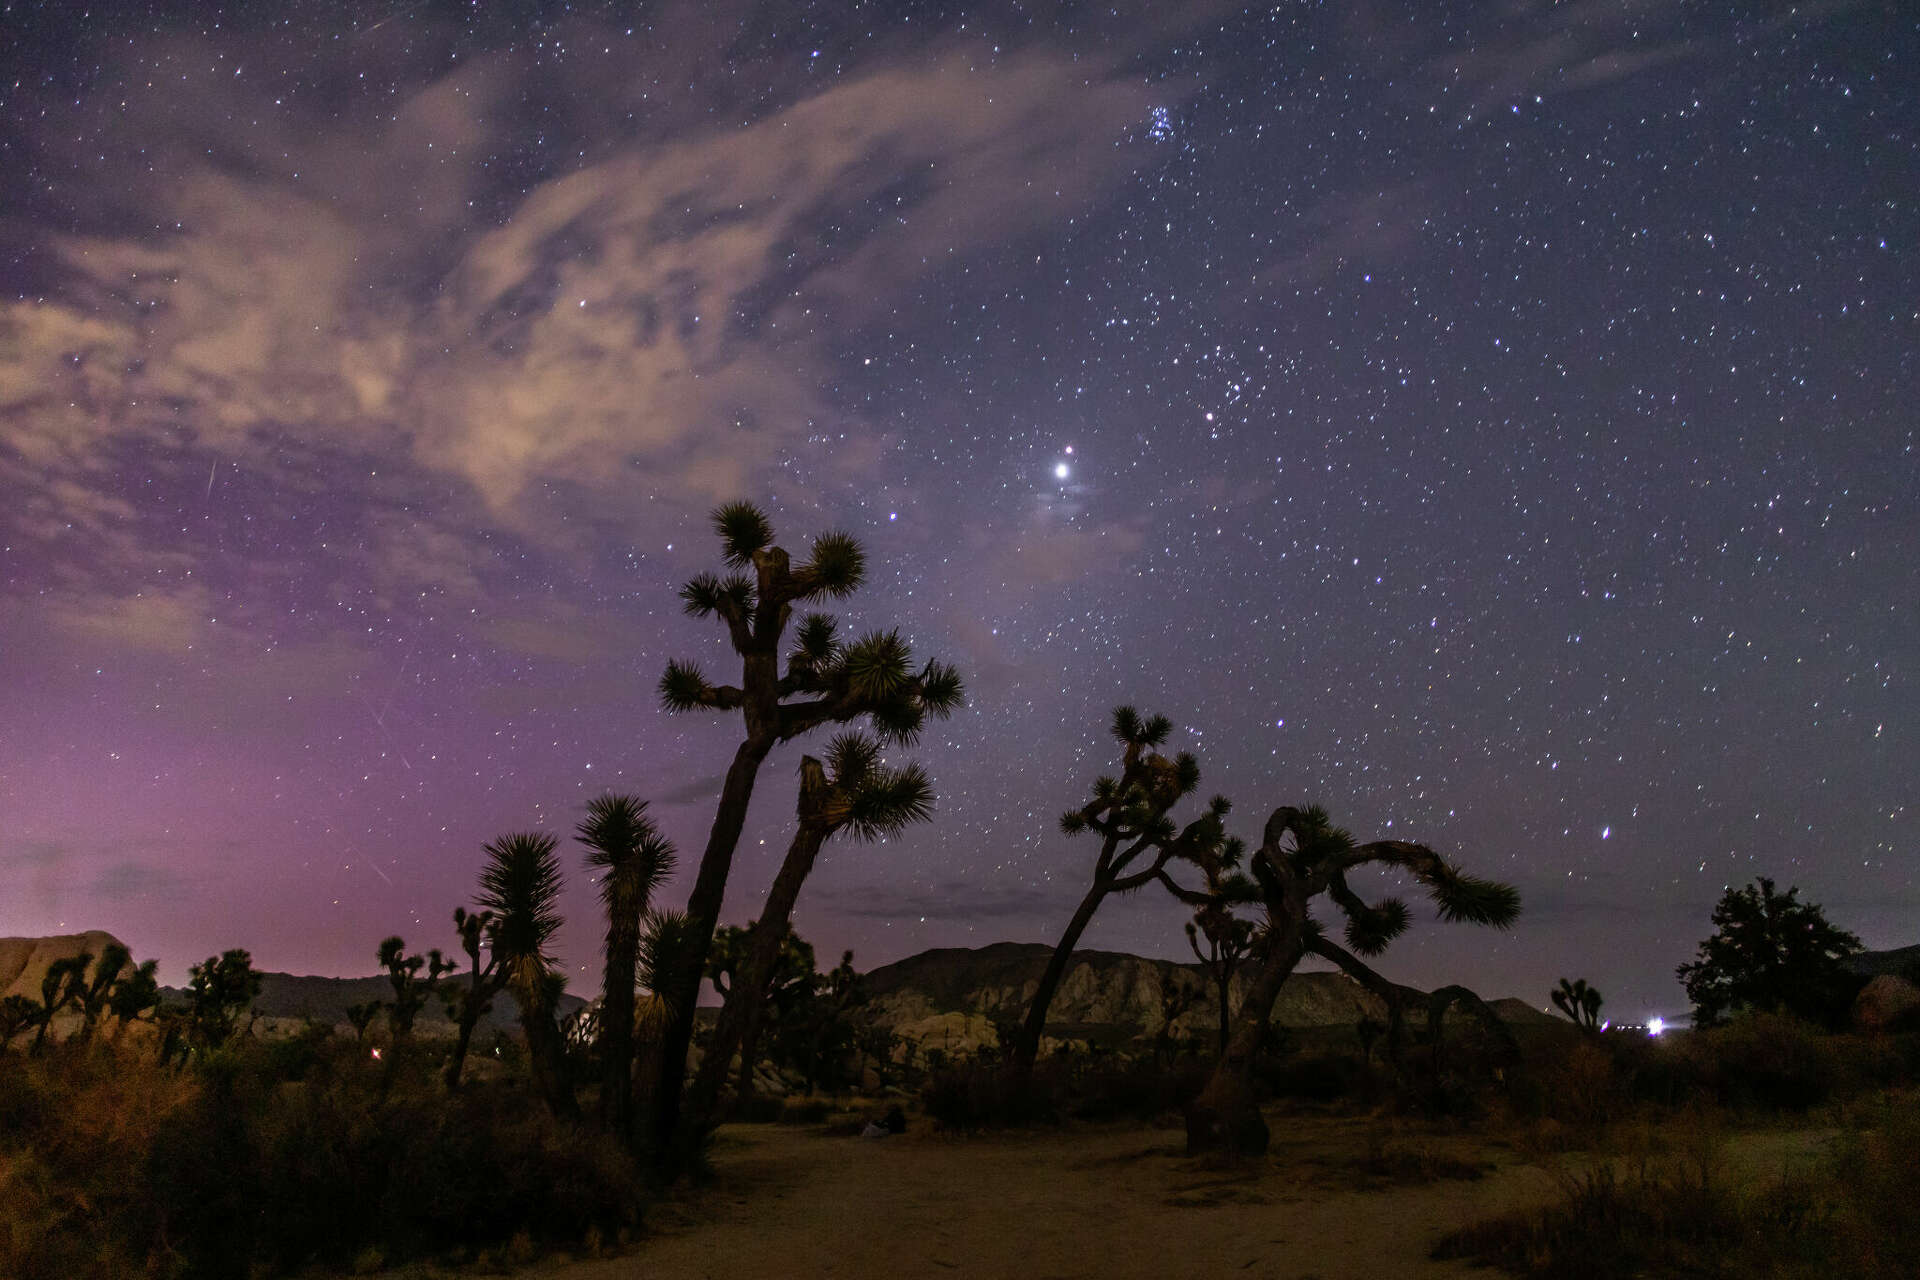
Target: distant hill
{"points": [[1870, 964], [959, 996]]}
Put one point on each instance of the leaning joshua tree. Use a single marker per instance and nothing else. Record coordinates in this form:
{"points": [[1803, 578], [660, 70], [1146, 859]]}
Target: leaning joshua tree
{"points": [[520, 885], [825, 682], [1302, 856], [853, 792], [633, 858], [1137, 841]]}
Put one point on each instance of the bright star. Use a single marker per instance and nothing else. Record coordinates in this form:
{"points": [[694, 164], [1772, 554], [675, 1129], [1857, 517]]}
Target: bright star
{"points": [[1060, 471]]}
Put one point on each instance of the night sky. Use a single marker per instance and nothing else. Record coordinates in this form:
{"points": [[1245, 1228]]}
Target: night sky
{"points": [[1496, 423]]}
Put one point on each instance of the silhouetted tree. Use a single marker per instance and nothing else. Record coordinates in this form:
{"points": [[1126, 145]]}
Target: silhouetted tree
{"points": [[633, 859], [825, 682], [60, 987], [360, 1016], [1229, 937], [1137, 841], [95, 992], [854, 792], [410, 991], [520, 885], [1579, 1002], [466, 1005], [1771, 953], [136, 993], [220, 990], [1301, 857]]}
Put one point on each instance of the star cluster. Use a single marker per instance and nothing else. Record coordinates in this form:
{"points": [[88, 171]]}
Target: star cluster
{"points": [[1492, 422]]}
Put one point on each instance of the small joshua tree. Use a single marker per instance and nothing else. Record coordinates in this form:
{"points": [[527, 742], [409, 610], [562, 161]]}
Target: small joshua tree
{"points": [[467, 1004], [1137, 841], [1303, 856], [410, 991], [360, 1016], [60, 986], [824, 682], [1579, 1002]]}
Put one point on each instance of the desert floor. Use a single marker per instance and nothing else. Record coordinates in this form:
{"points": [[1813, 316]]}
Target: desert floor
{"points": [[1098, 1201]]}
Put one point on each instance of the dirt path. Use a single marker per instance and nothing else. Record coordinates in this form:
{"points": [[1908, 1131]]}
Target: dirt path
{"points": [[1111, 1203]]}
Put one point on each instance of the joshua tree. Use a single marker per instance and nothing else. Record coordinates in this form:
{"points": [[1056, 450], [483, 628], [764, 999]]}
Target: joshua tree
{"points": [[1137, 841], [633, 859], [410, 991], [854, 792], [95, 993], [468, 1004], [1301, 857], [360, 1016], [61, 985], [219, 991], [825, 682], [136, 993], [520, 885], [1229, 937], [1580, 1002]]}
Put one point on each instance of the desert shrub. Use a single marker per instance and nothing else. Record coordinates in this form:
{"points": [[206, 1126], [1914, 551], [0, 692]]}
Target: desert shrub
{"points": [[1323, 1077], [1849, 1216], [1768, 1061], [978, 1095], [125, 1167], [1138, 1090], [805, 1111]]}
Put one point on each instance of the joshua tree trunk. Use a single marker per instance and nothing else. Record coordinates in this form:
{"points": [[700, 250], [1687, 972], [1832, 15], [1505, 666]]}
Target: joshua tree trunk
{"points": [[1225, 982], [1226, 1116], [616, 1045], [546, 1056], [462, 1040], [703, 914], [1027, 1048], [741, 1015]]}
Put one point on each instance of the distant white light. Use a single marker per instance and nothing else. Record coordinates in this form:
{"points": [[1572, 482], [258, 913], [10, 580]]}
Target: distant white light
{"points": [[1068, 450], [1655, 1025], [1060, 471], [1605, 832]]}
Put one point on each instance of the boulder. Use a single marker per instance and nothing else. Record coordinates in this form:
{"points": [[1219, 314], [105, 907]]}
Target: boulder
{"points": [[1887, 1003]]}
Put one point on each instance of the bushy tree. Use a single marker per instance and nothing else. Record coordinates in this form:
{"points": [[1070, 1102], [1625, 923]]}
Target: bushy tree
{"points": [[825, 682], [632, 859], [1301, 857], [791, 981], [1770, 953], [1579, 1002]]}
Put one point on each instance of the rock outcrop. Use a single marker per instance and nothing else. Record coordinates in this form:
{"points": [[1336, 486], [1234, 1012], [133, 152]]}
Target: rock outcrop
{"points": [[24, 961]]}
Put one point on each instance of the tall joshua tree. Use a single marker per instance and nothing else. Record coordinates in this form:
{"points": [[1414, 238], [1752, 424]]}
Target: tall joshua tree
{"points": [[633, 858], [1137, 841], [520, 885], [825, 682], [1302, 856], [1580, 1002], [854, 792]]}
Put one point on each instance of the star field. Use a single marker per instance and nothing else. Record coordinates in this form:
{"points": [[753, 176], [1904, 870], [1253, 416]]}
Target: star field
{"points": [[1492, 422]]}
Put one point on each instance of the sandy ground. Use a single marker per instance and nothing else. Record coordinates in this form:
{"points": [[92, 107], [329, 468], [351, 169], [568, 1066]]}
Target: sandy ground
{"points": [[1107, 1202], [1099, 1202]]}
